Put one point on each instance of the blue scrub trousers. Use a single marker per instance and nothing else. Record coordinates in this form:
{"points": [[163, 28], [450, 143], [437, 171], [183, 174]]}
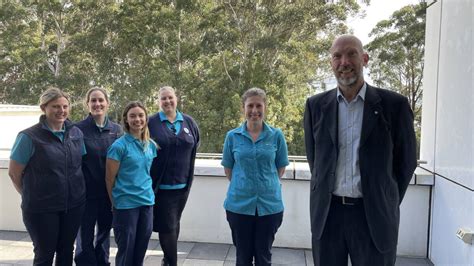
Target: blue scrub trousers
{"points": [[132, 230], [253, 236], [53, 233], [98, 211]]}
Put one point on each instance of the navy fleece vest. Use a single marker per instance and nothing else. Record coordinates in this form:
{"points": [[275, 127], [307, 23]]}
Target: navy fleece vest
{"points": [[53, 179], [175, 161], [93, 163]]}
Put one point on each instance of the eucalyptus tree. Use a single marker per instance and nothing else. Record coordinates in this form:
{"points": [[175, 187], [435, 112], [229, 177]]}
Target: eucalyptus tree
{"points": [[211, 51], [397, 54]]}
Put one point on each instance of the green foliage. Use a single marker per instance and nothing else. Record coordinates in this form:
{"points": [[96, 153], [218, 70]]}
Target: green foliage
{"points": [[211, 51], [397, 53]]}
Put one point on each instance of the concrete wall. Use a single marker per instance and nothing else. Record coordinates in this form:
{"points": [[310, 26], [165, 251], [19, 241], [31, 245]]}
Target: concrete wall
{"points": [[204, 217], [17, 117], [447, 139]]}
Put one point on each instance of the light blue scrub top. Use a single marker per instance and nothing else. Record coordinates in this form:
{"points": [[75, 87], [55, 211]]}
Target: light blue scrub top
{"points": [[133, 185], [255, 184]]}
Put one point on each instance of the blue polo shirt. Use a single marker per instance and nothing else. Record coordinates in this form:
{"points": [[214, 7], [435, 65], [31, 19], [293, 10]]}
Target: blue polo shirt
{"points": [[255, 184], [176, 124], [132, 187]]}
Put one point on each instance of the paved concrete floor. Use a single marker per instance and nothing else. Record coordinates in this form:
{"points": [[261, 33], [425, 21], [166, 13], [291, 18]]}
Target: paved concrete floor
{"points": [[16, 249]]}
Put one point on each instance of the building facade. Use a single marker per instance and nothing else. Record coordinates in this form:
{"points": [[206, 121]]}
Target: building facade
{"points": [[447, 136]]}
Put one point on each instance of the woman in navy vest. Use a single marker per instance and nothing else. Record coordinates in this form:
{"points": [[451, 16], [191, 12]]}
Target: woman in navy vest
{"points": [[45, 167], [172, 171], [99, 133], [254, 158]]}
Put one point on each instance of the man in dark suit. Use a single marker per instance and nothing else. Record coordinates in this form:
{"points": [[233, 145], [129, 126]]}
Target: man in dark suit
{"points": [[361, 150]]}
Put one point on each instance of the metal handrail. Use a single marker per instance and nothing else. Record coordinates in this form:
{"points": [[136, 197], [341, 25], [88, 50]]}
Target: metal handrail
{"points": [[218, 156], [293, 158], [209, 155]]}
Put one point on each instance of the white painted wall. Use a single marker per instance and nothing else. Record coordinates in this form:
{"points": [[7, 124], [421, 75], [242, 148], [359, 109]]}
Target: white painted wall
{"points": [[447, 140], [430, 85], [452, 209], [15, 118], [455, 121], [204, 217]]}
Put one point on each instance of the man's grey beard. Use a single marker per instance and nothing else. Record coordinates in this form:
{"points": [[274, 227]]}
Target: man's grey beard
{"points": [[347, 81]]}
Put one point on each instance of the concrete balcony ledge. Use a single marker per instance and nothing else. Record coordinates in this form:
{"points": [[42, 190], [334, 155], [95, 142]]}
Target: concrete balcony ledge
{"points": [[4, 163], [297, 171], [204, 219], [294, 171], [422, 177]]}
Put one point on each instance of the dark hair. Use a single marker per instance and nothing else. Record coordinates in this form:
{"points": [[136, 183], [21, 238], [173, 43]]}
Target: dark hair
{"points": [[254, 92], [96, 88], [145, 135]]}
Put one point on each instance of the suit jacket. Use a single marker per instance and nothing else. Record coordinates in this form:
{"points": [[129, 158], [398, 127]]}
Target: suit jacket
{"points": [[387, 159]]}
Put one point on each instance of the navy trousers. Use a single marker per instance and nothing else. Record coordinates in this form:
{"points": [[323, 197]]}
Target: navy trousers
{"points": [[253, 236], [132, 230], [53, 233], [98, 212], [346, 233]]}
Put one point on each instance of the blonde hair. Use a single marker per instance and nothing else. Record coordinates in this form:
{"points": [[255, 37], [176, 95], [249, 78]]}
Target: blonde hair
{"points": [[145, 135], [51, 94], [166, 88]]}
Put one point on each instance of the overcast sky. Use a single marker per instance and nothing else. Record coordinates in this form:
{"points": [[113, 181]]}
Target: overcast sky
{"points": [[377, 10]]}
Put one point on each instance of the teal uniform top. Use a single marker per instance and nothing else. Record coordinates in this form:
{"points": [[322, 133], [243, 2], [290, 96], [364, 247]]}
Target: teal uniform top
{"points": [[255, 184], [133, 185]]}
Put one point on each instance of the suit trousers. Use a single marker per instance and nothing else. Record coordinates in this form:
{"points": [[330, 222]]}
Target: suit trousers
{"points": [[98, 212], [346, 233], [253, 236], [53, 233], [132, 230]]}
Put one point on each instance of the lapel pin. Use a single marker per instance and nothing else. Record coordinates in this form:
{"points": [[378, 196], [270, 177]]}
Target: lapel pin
{"points": [[376, 112]]}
